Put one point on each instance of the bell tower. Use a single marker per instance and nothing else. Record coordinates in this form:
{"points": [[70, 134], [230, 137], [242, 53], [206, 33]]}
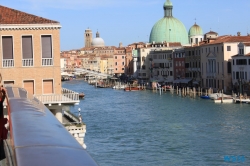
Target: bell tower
{"points": [[88, 37]]}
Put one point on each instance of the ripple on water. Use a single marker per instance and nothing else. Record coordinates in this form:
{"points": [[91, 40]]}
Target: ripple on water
{"points": [[144, 128]]}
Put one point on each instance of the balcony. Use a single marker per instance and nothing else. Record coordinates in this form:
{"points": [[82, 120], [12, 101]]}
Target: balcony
{"points": [[67, 97], [8, 62], [28, 62], [47, 61]]}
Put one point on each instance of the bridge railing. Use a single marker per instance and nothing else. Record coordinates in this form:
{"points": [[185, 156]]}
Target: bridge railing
{"points": [[67, 96], [37, 138]]}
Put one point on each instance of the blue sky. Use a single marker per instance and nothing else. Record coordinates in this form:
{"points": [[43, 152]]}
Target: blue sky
{"points": [[130, 21]]}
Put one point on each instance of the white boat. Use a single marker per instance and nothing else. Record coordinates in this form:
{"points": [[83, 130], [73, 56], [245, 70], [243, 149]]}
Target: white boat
{"points": [[224, 100], [119, 87], [242, 100], [214, 96]]}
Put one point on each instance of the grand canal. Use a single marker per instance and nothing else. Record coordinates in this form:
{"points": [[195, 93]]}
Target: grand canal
{"points": [[144, 128]]}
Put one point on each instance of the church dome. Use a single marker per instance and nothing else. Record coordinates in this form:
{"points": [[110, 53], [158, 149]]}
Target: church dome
{"points": [[97, 42], [195, 30], [169, 29]]}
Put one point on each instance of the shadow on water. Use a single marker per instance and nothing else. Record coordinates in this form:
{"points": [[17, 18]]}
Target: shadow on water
{"points": [[144, 128]]}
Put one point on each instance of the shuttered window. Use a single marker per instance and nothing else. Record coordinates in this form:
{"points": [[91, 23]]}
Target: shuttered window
{"points": [[27, 47], [47, 86], [8, 82], [7, 47], [46, 46], [29, 86]]}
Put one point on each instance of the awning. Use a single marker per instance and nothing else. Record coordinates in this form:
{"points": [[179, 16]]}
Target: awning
{"points": [[176, 81], [196, 82], [184, 80], [64, 74]]}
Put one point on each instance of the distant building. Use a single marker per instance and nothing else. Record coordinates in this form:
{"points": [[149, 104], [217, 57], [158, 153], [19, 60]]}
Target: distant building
{"points": [[241, 69]]}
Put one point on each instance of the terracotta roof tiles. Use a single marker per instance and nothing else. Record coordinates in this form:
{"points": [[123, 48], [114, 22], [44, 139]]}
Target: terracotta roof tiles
{"points": [[230, 39], [12, 16]]}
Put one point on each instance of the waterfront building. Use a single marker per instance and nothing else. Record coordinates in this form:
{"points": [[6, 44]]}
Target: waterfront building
{"points": [[119, 61], [30, 58], [154, 61], [193, 64], [241, 69], [179, 71], [216, 57], [169, 29]]}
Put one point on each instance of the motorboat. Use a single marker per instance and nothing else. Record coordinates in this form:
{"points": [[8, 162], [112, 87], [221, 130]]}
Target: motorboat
{"points": [[224, 100], [205, 97], [133, 88], [242, 100], [119, 87], [214, 96]]}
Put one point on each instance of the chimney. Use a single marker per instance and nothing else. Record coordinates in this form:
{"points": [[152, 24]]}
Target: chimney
{"points": [[238, 33]]}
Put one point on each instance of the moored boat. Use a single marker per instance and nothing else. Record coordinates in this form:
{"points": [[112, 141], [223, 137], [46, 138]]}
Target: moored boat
{"points": [[133, 88], [81, 95], [205, 97], [242, 100], [224, 100]]}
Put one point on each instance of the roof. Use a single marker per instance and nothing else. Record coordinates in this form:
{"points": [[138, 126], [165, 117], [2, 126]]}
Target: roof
{"points": [[248, 54], [230, 39], [246, 44], [12, 16], [211, 32]]}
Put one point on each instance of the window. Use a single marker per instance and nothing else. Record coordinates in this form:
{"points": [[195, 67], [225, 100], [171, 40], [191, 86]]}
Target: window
{"points": [[116, 63], [46, 50], [122, 68], [241, 62], [228, 48], [29, 86], [115, 57], [122, 63], [8, 82], [27, 50], [229, 67], [122, 57], [7, 46], [48, 87]]}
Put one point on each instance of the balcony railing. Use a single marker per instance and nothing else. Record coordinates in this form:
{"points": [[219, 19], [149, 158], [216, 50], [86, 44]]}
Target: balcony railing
{"points": [[8, 62], [67, 97], [28, 62], [47, 61]]}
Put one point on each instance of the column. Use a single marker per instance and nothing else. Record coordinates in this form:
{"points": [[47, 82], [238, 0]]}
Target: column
{"points": [[58, 114]]}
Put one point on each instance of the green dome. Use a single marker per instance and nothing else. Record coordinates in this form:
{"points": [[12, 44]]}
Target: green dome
{"points": [[195, 30], [169, 29]]}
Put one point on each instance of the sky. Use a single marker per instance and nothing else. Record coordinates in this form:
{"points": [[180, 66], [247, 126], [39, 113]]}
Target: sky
{"points": [[130, 21]]}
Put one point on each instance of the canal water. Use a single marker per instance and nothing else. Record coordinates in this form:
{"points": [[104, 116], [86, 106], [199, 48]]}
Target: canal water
{"points": [[144, 129]]}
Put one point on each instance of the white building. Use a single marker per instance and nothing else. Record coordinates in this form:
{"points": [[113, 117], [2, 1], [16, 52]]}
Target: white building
{"points": [[241, 67]]}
